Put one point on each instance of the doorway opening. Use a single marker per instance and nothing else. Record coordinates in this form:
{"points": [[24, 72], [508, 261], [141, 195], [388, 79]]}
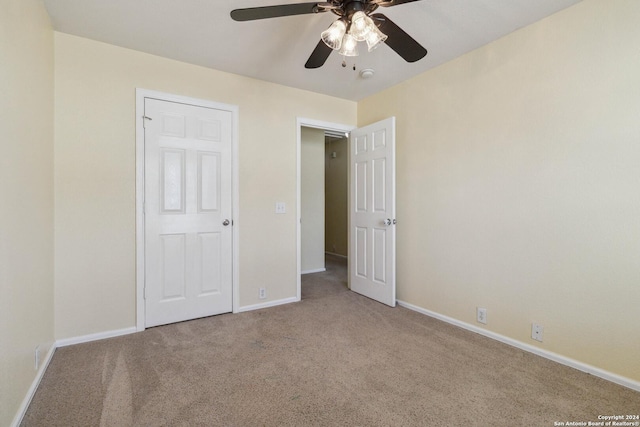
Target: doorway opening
{"points": [[336, 191], [371, 204], [324, 203], [322, 195]]}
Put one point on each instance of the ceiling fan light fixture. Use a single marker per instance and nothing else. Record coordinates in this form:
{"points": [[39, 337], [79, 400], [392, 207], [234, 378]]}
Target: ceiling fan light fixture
{"points": [[360, 25], [375, 38], [349, 46], [333, 35], [356, 22]]}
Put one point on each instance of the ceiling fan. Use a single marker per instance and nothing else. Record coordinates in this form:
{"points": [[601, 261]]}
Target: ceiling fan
{"points": [[356, 22]]}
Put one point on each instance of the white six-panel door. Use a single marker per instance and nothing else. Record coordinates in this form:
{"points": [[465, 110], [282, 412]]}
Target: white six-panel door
{"points": [[188, 207], [372, 250]]}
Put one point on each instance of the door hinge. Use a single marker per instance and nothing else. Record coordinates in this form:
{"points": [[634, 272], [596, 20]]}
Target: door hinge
{"points": [[144, 121], [144, 292]]}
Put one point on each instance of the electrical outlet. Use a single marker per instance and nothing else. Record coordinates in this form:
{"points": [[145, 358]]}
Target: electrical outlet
{"points": [[36, 357], [482, 315], [262, 293], [536, 331]]}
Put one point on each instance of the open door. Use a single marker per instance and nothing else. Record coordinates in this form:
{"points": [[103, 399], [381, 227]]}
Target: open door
{"points": [[372, 211]]}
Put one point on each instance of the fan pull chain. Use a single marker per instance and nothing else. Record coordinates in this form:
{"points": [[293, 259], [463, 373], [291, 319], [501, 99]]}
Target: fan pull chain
{"points": [[344, 65]]}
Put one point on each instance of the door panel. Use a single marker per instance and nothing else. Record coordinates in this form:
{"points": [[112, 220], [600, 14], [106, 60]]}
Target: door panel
{"points": [[209, 263], [188, 250], [361, 252], [208, 182], [361, 186], [372, 212], [173, 266], [379, 188], [379, 255], [173, 181]]}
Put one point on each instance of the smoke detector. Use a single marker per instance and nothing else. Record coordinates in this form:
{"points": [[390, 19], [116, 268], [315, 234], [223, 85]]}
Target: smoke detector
{"points": [[367, 73]]}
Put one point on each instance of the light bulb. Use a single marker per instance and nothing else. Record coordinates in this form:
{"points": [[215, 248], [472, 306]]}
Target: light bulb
{"points": [[375, 37], [349, 46], [360, 26], [333, 35]]}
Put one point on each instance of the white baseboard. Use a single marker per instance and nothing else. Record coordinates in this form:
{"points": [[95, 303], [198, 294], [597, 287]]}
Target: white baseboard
{"points": [[34, 386], [94, 337], [563, 360], [336, 255], [267, 304], [317, 270], [45, 363]]}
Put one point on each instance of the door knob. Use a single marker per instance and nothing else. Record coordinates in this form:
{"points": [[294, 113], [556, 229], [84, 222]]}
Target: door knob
{"points": [[387, 221], [225, 222]]}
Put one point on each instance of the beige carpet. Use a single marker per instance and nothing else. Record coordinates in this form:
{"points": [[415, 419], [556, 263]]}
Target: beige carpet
{"points": [[334, 359]]}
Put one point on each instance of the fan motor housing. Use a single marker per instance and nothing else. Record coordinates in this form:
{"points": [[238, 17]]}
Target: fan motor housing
{"points": [[348, 7]]}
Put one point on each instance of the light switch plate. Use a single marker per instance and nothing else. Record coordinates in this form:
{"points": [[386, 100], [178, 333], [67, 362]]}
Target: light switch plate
{"points": [[281, 208]]}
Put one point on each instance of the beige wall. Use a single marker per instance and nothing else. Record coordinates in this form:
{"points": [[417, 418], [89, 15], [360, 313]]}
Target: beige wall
{"points": [[336, 188], [95, 176], [312, 199], [26, 194], [518, 184]]}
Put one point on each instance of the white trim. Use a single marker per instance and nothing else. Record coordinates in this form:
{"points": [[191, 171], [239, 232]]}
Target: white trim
{"points": [[336, 255], [17, 420], [266, 304], [141, 94], [95, 337], [235, 194], [563, 360], [317, 270], [22, 410], [318, 124]]}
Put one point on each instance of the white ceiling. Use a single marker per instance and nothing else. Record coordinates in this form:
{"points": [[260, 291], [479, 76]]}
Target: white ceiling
{"points": [[201, 32]]}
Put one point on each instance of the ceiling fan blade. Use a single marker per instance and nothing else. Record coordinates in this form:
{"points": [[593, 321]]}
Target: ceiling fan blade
{"points": [[318, 56], [253, 13], [389, 3], [402, 43]]}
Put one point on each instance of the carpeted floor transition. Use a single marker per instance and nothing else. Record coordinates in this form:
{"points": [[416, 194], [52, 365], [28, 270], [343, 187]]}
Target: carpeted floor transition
{"points": [[333, 359]]}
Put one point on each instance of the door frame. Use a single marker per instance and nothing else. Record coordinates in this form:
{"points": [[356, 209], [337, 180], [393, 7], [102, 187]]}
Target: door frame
{"points": [[317, 124], [141, 94]]}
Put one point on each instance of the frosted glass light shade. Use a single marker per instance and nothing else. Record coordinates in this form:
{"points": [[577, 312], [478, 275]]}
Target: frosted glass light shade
{"points": [[333, 35], [360, 26], [349, 46], [375, 37]]}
